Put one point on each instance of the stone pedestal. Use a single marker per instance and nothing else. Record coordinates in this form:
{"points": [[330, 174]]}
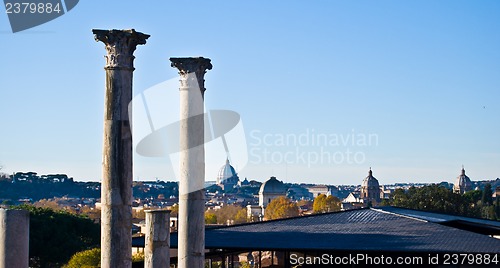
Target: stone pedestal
{"points": [[192, 161], [116, 188], [157, 241], [14, 238]]}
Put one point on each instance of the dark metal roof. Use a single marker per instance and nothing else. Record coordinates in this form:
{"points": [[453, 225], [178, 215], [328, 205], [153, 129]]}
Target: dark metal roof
{"points": [[353, 231], [437, 217], [480, 226]]}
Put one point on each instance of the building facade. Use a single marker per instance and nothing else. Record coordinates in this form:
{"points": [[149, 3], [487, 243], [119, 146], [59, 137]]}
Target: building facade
{"points": [[462, 184], [269, 190], [370, 189]]}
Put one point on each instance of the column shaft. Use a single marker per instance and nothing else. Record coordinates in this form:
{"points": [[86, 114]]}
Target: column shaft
{"points": [[191, 234], [14, 238], [157, 241], [116, 187]]}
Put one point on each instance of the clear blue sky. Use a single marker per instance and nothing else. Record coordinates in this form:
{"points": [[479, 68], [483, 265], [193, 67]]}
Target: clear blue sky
{"points": [[423, 77]]}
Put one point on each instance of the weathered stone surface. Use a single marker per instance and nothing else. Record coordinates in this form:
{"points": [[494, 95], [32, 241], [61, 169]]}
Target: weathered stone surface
{"points": [[14, 238], [116, 188], [120, 45], [157, 240], [192, 161]]}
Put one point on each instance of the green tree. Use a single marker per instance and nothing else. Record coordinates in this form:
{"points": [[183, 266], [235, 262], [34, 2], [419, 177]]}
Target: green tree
{"points": [[90, 258], [400, 197], [281, 207], [229, 212], [488, 212], [473, 197], [55, 236], [137, 257], [210, 218], [323, 203], [438, 199], [241, 216], [319, 203], [487, 198]]}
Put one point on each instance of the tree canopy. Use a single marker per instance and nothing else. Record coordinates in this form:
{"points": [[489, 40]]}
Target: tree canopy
{"points": [[281, 207], [233, 214], [323, 203], [487, 198], [210, 218], [90, 258], [56, 235], [476, 203]]}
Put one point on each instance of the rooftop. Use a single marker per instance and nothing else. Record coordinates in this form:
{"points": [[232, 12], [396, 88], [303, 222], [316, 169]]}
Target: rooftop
{"points": [[359, 230]]}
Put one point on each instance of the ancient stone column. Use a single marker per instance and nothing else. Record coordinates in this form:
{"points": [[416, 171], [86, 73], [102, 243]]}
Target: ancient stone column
{"points": [[116, 188], [14, 238], [157, 241], [191, 232]]}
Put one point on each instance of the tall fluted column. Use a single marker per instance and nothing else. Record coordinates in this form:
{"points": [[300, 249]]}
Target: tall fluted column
{"points": [[116, 187], [191, 233]]}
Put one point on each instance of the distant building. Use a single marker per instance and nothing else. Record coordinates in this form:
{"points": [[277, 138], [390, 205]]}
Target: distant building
{"points": [[370, 192], [462, 184], [227, 178], [298, 192], [496, 193], [244, 183], [316, 190], [352, 201], [385, 193], [353, 197], [269, 190], [370, 189]]}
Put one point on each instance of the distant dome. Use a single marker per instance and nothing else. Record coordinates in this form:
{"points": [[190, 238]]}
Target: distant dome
{"points": [[370, 181], [272, 186], [463, 183], [370, 189], [226, 172]]}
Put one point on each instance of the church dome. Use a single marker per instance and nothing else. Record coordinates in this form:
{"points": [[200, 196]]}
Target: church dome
{"points": [[463, 183], [370, 181], [225, 172], [272, 186]]}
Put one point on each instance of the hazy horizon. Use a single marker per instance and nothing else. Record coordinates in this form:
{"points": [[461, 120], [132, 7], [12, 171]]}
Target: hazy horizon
{"points": [[324, 90]]}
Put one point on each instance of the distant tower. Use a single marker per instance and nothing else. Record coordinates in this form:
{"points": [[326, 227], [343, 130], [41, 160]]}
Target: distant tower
{"points": [[462, 184], [227, 178], [370, 189]]}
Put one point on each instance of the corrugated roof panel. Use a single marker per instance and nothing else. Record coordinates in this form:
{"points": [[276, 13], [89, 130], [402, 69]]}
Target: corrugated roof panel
{"points": [[436, 217], [356, 230]]}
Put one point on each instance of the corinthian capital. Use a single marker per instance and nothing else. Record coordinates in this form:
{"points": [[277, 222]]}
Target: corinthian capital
{"points": [[191, 65], [120, 45], [192, 70]]}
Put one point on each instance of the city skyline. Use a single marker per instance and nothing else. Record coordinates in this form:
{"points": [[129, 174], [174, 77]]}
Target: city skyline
{"points": [[324, 90], [284, 180]]}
